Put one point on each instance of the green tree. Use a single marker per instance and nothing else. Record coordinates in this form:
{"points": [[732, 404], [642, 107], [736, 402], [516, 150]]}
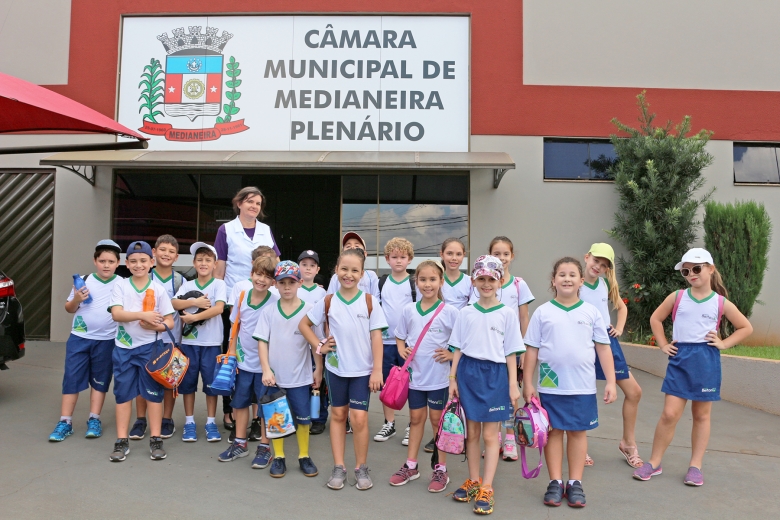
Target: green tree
{"points": [[658, 175], [738, 237]]}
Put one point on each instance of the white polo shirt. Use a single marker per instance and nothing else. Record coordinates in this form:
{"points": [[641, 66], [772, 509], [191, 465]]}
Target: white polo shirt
{"points": [[351, 326], [289, 354], [695, 318], [245, 285], [457, 292], [427, 373], [395, 296], [210, 332], [487, 334], [598, 296], [566, 338], [125, 295], [247, 351], [93, 320]]}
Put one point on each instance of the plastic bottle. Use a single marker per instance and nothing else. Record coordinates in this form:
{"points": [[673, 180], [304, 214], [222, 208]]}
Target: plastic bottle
{"points": [[78, 283], [315, 404], [149, 300]]}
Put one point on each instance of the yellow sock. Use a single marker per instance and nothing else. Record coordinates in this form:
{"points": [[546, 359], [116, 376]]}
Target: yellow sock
{"points": [[278, 447], [302, 433]]}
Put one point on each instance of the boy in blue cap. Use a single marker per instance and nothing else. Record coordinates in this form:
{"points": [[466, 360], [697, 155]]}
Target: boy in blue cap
{"points": [[137, 334], [90, 344]]}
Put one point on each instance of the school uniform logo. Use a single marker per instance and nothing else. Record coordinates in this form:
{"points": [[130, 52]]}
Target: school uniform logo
{"points": [[709, 389], [594, 421], [497, 330], [79, 325], [191, 85], [123, 337], [547, 376], [709, 317]]}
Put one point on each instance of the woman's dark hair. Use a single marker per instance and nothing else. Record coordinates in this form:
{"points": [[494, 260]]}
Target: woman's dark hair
{"points": [[246, 192]]}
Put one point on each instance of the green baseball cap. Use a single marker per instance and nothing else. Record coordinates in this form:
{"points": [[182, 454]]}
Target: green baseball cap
{"points": [[603, 250]]}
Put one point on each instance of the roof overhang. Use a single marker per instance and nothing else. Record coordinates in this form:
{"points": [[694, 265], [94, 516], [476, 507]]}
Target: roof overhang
{"points": [[498, 162]]}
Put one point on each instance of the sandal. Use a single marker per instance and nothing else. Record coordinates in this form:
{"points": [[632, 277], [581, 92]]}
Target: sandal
{"points": [[588, 461], [631, 453]]}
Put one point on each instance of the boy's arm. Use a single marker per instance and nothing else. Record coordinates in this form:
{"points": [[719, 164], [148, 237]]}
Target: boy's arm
{"points": [[119, 314], [215, 310], [268, 374], [180, 305]]}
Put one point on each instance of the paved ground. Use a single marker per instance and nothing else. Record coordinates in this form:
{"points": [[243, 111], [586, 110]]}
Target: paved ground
{"points": [[74, 479]]}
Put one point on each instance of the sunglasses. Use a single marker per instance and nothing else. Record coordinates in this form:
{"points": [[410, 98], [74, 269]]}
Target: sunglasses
{"points": [[696, 269], [488, 265]]}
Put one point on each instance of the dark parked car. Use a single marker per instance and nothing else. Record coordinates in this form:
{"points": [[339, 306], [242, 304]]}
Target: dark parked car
{"points": [[11, 323]]}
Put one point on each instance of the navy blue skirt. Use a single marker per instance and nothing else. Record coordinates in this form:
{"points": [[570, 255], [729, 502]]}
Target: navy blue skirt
{"points": [[694, 373], [483, 387], [621, 367], [572, 413]]}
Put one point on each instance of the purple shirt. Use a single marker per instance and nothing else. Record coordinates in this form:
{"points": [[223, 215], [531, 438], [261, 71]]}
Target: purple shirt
{"points": [[220, 244]]}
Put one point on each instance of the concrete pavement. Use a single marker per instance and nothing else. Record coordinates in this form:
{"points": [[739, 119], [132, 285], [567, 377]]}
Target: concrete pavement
{"points": [[74, 479]]}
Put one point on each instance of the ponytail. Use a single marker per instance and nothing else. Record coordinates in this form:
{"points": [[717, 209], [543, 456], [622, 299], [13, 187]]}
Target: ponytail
{"points": [[614, 289], [716, 283]]}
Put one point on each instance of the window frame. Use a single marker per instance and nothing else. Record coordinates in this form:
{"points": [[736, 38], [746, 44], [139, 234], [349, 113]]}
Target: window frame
{"points": [[578, 140], [755, 144]]}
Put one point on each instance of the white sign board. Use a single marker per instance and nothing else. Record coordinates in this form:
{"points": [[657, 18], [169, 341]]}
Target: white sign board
{"points": [[365, 83]]}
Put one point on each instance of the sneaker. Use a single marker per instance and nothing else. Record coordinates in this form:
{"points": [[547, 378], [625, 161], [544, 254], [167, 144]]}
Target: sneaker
{"points": [[510, 450], [362, 479], [94, 428], [190, 432], [156, 448], [405, 442], [317, 428], [62, 430], [235, 451], [428, 448], [349, 426], [575, 496], [278, 468], [138, 431], [262, 457], [387, 431], [337, 477], [694, 477], [439, 480], [255, 430], [646, 471], [121, 449], [467, 491], [308, 467], [404, 476], [168, 429], [554, 495], [483, 505], [212, 433]]}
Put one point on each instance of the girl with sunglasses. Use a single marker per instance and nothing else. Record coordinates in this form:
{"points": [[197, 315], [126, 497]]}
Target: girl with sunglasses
{"points": [[694, 371]]}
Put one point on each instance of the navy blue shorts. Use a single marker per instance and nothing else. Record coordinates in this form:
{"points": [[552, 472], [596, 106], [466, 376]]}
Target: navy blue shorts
{"points": [[87, 363], [694, 373], [390, 358], [131, 379], [433, 399], [248, 385], [572, 413], [202, 360], [299, 399], [352, 391], [621, 367], [483, 387]]}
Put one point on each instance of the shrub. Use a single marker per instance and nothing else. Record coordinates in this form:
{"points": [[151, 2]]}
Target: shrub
{"points": [[738, 237], [658, 175]]}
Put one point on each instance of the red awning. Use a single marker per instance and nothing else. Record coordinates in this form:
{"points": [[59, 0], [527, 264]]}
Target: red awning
{"points": [[26, 107]]}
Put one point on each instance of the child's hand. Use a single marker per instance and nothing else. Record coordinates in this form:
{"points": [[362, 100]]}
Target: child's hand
{"points": [[188, 318], [453, 388], [80, 294], [202, 303], [615, 333], [514, 396], [670, 349], [610, 393], [268, 378], [528, 392], [714, 341], [443, 355], [375, 381], [328, 346], [404, 352], [151, 317], [148, 326], [317, 379]]}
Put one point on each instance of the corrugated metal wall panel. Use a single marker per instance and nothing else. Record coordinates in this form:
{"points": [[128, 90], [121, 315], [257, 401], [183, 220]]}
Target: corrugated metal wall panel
{"points": [[26, 236]]}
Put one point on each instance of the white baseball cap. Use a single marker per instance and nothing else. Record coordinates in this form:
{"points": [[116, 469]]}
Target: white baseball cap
{"points": [[697, 255], [197, 245]]}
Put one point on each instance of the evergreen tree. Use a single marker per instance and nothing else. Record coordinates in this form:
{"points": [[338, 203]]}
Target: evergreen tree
{"points": [[738, 237], [658, 174]]}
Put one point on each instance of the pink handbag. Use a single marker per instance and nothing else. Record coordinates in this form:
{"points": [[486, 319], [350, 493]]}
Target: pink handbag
{"points": [[396, 389]]}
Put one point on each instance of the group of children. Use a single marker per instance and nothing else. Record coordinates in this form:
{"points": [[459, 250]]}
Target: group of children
{"points": [[474, 338]]}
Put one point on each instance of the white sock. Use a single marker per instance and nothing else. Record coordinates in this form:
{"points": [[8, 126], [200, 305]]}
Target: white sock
{"points": [[558, 481], [67, 418], [189, 419], [94, 415], [210, 420], [572, 482]]}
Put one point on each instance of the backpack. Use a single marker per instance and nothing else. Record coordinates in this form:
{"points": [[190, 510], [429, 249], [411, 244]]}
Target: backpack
{"points": [[412, 284], [177, 281], [452, 433], [678, 299], [532, 426]]}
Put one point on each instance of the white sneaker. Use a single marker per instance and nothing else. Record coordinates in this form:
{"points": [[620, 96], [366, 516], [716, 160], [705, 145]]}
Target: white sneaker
{"points": [[387, 431], [405, 442]]}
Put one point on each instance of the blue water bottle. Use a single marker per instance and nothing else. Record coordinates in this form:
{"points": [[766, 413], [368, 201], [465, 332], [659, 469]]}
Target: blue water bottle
{"points": [[79, 284], [315, 404]]}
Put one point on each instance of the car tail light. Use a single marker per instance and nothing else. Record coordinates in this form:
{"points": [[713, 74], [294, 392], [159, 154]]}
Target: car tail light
{"points": [[21, 346], [6, 287]]}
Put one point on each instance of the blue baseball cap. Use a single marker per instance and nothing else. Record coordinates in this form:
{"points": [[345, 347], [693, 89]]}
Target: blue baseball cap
{"points": [[108, 244], [139, 247], [287, 269]]}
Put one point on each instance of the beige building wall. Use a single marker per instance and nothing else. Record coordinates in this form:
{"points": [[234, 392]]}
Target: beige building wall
{"points": [[548, 220]]}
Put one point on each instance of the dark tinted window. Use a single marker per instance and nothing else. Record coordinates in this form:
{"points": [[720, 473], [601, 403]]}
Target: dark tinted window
{"points": [[574, 159], [755, 164]]}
